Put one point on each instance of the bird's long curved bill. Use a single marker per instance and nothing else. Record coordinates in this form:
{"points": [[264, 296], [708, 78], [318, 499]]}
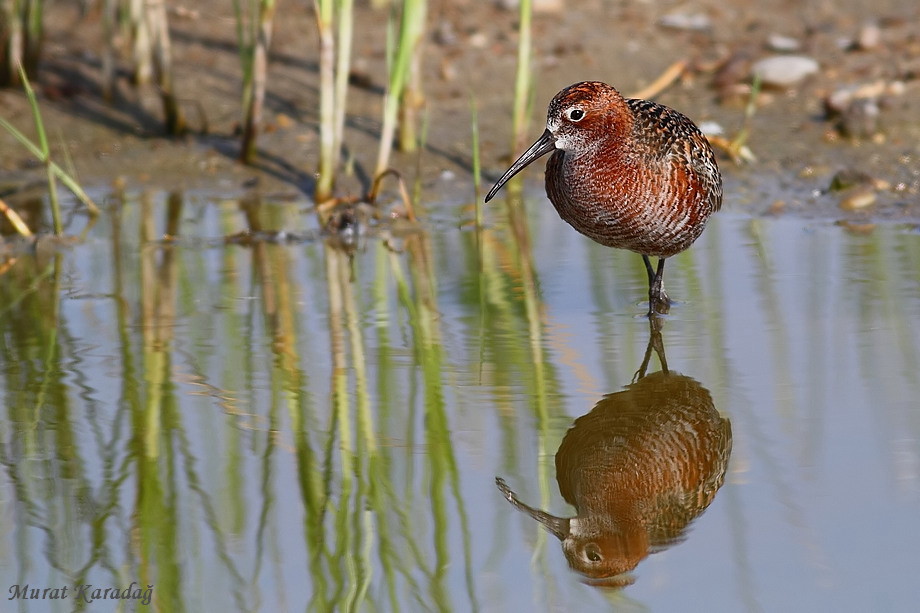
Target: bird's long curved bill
{"points": [[558, 526], [544, 145]]}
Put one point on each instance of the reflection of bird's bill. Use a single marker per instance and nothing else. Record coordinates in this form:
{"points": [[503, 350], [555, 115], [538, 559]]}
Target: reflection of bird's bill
{"points": [[638, 468], [558, 526]]}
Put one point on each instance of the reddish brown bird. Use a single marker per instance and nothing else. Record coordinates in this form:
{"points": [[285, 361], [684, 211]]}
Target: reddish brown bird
{"points": [[639, 468], [627, 173]]}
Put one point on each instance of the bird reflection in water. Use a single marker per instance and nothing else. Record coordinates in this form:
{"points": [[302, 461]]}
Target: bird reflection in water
{"points": [[642, 465]]}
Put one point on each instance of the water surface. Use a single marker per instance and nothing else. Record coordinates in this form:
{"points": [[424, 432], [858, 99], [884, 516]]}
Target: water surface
{"points": [[285, 427]]}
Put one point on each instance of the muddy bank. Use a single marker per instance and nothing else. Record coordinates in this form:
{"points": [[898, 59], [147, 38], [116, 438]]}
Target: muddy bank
{"points": [[799, 146]]}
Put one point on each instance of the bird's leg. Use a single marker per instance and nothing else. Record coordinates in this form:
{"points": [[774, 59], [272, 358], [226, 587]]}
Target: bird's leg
{"points": [[655, 341], [656, 344], [658, 301], [649, 270]]}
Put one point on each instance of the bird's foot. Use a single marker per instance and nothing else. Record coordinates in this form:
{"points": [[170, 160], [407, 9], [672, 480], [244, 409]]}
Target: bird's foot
{"points": [[658, 302]]}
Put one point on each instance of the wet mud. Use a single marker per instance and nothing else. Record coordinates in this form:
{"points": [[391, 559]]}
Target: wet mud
{"points": [[853, 110]]}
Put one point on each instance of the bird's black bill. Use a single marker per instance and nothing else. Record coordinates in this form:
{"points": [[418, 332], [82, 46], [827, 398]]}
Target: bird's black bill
{"points": [[558, 526], [544, 145]]}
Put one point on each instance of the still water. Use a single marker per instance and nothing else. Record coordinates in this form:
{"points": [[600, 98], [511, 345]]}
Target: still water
{"points": [[259, 426]]}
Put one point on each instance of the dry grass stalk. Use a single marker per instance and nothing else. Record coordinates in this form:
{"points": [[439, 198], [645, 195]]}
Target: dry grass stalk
{"points": [[409, 35], [334, 61], [21, 38], [671, 74], [256, 79], [161, 60], [14, 218]]}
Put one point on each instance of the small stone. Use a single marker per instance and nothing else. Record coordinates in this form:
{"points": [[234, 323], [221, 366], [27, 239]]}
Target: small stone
{"points": [[478, 40], [696, 22], [448, 70], [841, 98], [445, 34], [539, 6], [711, 128], [831, 135], [858, 198], [857, 107], [778, 42], [784, 71], [860, 119], [869, 37], [548, 6], [847, 178], [183, 12]]}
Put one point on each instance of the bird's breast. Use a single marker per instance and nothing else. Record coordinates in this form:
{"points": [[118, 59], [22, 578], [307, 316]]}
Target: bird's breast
{"points": [[653, 208]]}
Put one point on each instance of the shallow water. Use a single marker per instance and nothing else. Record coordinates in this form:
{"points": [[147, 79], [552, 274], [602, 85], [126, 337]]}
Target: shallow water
{"points": [[273, 427]]}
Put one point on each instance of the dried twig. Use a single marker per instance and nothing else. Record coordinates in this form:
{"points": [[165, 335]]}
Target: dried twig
{"points": [[15, 219], [403, 191], [657, 86]]}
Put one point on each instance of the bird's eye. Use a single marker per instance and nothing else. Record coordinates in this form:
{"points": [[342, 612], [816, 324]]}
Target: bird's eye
{"points": [[593, 553], [575, 114]]}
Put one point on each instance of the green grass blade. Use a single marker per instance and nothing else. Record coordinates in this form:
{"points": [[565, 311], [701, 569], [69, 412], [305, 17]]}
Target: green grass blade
{"points": [[59, 172], [45, 151]]}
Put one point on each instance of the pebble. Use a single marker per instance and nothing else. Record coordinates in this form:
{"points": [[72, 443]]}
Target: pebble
{"points": [[778, 42], [841, 98], [478, 40], [711, 128], [858, 198], [784, 70], [869, 37], [548, 6], [696, 22], [857, 108], [849, 177], [539, 6], [857, 190], [445, 34], [860, 120]]}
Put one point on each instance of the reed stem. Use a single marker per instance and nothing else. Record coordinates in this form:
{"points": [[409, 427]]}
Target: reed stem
{"points": [[342, 68], [21, 38], [43, 152], [139, 30], [161, 61], [523, 81], [334, 62], [254, 58], [411, 28], [477, 162], [110, 33], [328, 154]]}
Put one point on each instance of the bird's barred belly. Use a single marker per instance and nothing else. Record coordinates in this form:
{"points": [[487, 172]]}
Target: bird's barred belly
{"points": [[644, 229]]}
